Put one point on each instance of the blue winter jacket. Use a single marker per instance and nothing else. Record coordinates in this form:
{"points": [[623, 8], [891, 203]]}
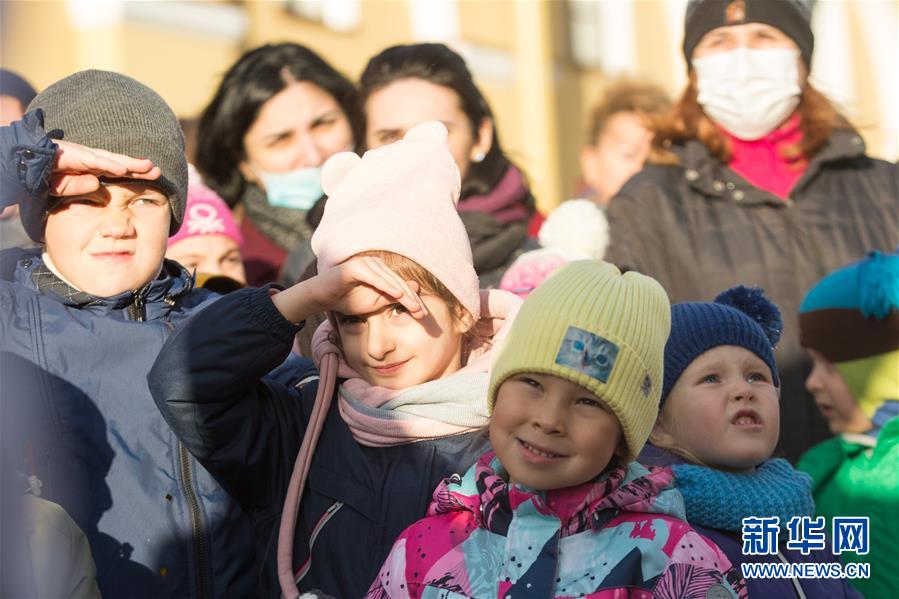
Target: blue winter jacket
{"points": [[159, 525], [247, 430]]}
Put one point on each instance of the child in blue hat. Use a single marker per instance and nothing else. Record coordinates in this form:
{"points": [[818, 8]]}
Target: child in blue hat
{"points": [[717, 429]]}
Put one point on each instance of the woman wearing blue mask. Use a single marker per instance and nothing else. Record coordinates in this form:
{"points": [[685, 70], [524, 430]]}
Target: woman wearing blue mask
{"points": [[763, 182], [278, 114]]}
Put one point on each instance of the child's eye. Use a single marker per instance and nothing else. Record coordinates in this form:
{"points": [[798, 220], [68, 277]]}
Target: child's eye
{"points": [[589, 401], [348, 319], [757, 377], [398, 310], [530, 382], [148, 202], [710, 378], [80, 202]]}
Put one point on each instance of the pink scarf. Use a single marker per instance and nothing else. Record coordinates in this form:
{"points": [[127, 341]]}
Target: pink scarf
{"points": [[506, 202], [362, 408]]}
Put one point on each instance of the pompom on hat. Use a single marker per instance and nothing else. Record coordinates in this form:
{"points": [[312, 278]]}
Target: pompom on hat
{"points": [[400, 198], [575, 230], [603, 330], [740, 316]]}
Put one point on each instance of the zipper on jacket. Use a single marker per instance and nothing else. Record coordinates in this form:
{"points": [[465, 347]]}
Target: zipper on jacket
{"points": [[138, 308], [196, 520]]}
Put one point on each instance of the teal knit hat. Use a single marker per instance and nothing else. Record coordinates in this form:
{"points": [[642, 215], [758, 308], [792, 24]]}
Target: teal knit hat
{"points": [[853, 312]]}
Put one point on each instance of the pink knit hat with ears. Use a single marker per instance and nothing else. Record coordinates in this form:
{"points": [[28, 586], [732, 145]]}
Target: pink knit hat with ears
{"points": [[205, 213], [400, 198]]}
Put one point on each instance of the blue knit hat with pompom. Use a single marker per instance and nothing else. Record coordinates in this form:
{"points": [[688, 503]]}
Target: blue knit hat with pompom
{"points": [[740, 316]]}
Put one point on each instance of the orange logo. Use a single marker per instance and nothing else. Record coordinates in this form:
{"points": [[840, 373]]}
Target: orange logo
{"points": [[735, 12]]}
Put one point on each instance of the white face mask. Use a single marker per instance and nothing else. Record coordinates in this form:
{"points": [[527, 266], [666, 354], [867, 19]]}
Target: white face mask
{"points": [[747, 91]]}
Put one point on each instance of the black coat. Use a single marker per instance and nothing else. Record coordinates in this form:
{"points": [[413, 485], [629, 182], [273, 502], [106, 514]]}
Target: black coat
{"points": [[246, 430], [699, 228]]}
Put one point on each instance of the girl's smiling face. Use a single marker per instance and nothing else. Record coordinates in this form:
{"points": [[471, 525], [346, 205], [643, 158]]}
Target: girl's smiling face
{"points": [[724, 411], [550, 433], [390, 348]]}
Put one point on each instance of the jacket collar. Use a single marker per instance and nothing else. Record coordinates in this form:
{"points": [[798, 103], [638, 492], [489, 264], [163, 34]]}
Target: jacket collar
{"points": [[704, 173], [485, 492], [157, 297]]}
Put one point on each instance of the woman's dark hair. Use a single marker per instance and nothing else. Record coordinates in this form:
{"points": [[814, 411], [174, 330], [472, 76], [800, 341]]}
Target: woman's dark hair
{"points": [[439, 65], [253, 80]]}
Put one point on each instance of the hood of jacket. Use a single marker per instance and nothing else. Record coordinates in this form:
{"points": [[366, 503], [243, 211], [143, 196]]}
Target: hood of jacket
{"points": [[485, 492]]}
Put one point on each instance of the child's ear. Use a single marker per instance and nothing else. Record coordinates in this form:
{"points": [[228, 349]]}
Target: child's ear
{"points": [[660, 437]]}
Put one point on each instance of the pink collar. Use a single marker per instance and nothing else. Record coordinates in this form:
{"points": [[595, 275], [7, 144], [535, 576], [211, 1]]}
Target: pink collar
{"points": [[762, 161]]}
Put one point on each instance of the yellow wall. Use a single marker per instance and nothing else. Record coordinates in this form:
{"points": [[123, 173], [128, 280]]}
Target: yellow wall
{"points": [[541, 105]]}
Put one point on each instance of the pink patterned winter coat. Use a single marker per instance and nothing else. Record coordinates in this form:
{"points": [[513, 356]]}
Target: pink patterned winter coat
{"points": [[619, 537]]}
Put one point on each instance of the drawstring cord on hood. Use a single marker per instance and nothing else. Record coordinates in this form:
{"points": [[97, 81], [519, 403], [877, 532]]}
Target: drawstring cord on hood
{"points": [[323, 396]]}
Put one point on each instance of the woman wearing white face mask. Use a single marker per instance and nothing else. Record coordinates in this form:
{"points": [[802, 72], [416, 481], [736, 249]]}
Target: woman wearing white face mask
{"points": [[278, 114], [765, 184]]}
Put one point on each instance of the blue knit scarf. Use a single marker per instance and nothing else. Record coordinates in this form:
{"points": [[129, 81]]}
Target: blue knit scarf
{"points": [[721, 500]]}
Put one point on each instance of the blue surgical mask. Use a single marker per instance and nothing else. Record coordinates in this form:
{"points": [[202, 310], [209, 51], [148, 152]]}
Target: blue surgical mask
{"points": [[299, 189]]}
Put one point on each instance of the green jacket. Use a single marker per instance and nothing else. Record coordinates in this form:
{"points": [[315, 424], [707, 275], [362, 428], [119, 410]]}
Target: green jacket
{"points": [[852, 477]]}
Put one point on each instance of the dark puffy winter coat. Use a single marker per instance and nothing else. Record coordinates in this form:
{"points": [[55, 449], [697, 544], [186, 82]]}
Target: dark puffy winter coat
{"points": [[158, 524], [247, 429], [699, 228]]}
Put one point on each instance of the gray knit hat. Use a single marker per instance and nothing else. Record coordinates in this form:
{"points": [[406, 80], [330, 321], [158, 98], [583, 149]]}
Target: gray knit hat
{"points": [[113, 112]]}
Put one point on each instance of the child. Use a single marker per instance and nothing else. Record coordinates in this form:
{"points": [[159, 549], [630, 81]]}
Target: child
{"points": [[718, 427], [403, 370], [849, 322], [559, 510], [90, 309], [209, 242]]}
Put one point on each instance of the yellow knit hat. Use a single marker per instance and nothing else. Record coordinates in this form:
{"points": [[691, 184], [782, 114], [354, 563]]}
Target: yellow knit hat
{"points": [[600, 329]]}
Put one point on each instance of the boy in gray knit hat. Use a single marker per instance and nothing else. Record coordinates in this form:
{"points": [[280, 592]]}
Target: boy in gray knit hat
{"points": [[97, 168]]}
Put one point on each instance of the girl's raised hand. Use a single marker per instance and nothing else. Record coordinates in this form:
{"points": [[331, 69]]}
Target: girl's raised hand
{"points": [[78, 169], [361, 285]]}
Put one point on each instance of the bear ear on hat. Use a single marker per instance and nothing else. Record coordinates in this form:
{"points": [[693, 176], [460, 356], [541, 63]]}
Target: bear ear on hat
{"points": [[431, 131], [336, 169]]}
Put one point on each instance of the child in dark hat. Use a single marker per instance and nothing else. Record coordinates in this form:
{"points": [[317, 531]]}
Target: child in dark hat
{"points": [[91, 307], [717, 429], [849, 323]]}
